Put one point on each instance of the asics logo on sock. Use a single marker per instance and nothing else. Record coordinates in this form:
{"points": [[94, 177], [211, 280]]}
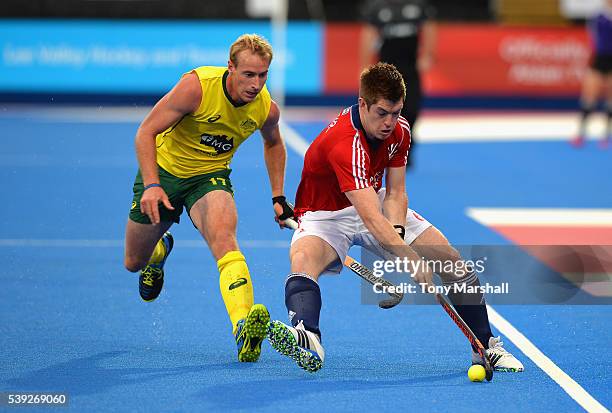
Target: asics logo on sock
{"points": [[291, 315], [239, 282]]}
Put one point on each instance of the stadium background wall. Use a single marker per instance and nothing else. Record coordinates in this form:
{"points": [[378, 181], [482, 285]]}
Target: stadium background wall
{"points": [[136, 61]]}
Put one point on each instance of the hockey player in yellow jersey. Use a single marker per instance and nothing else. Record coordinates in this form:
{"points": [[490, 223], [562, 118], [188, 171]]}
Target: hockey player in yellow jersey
{"points": [[184, 148], [206, 141]]}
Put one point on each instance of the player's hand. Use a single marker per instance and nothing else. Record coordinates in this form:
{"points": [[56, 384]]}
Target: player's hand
{"points": [[149, 203], [423, 276], [282, 209]]}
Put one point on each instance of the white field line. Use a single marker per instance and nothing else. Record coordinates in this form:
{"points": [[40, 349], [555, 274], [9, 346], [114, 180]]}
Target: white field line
{"points": [[432, 127], [113, 243], [293, 139], [505, 128], [566, 217], [573, 389]]}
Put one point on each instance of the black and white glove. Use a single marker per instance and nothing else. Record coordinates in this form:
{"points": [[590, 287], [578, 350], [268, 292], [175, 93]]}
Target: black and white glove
{"points": [[401, 230], [287, 207]]}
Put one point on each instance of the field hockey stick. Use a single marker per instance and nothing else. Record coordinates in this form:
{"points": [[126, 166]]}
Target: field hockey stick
{"points": [[365, 273], [360, 269], [467, 332]]}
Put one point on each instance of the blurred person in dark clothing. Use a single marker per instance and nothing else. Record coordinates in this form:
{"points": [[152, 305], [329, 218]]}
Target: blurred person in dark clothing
{"points": [[598, 76], [404, 34]]}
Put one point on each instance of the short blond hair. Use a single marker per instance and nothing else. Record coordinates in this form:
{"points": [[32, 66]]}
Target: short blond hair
{"points": [[253, 42]]}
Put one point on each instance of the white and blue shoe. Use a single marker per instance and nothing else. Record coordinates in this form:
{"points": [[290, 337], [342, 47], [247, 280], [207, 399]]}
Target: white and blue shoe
{"points": [[499, 357], [301, 345]]}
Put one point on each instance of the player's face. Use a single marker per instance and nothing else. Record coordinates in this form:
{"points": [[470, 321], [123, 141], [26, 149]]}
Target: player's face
{"points": [[247, 77], [380, 119]]}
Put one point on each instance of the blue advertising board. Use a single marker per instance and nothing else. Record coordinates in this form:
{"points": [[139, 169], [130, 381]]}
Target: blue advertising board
{"points": [[107, 56]]}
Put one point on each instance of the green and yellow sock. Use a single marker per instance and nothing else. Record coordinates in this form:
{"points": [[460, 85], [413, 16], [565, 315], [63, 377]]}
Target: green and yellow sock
{"points": [[235, 285]]}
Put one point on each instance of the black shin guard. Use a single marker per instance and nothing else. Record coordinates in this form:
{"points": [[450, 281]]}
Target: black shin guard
{"points": [[471, 307], [303, 301]]}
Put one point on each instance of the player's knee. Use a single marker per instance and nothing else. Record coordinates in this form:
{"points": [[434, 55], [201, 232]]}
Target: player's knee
{"points": [[451, 273], [453, 254], [298, 259], [134, 264], [303, 262]]}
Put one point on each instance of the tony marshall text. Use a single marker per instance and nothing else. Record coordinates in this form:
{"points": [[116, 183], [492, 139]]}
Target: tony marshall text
{"points": [[406, 288]]}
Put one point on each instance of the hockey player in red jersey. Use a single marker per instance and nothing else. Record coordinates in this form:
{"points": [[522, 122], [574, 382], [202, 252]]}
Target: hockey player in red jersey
{"points": [[341, 202]]}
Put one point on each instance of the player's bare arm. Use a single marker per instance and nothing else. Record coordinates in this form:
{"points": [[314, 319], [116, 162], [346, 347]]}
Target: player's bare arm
{"points": [[395, 204], [367, 45], [275, 154], [184, 98], [429, 35], [367, 205]]}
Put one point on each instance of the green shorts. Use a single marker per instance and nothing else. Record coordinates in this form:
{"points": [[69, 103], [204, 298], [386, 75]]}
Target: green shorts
{"points": [[182, 192]]}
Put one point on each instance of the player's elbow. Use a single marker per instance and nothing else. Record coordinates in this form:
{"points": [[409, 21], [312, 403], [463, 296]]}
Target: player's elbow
{"points": [[144, 135], [272, 138]]}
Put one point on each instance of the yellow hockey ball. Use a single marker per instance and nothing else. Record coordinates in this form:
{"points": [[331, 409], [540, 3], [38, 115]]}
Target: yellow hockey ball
{"points": [[476, 373]]}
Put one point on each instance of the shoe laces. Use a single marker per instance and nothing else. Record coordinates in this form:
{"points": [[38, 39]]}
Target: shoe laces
{"points": [[149, 275], [495, 344]]}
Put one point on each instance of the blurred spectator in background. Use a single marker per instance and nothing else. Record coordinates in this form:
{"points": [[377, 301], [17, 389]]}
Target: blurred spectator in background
{"points": [[598, 76], [403, 34]]}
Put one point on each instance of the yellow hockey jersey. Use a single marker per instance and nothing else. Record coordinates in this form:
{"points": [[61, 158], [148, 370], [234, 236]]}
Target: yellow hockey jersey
{"points": [[206, 140]]}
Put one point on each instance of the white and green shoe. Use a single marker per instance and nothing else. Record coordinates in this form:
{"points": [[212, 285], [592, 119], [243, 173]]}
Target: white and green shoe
{"points": [[251, 332]]}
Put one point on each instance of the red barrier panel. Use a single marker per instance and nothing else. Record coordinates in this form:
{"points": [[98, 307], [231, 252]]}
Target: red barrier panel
{"points": [[341, 60], [477, 60], [508, 61]]}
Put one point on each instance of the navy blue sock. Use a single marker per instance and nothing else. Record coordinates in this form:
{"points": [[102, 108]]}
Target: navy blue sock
{"points": [[303, 301], [473, 310]]}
